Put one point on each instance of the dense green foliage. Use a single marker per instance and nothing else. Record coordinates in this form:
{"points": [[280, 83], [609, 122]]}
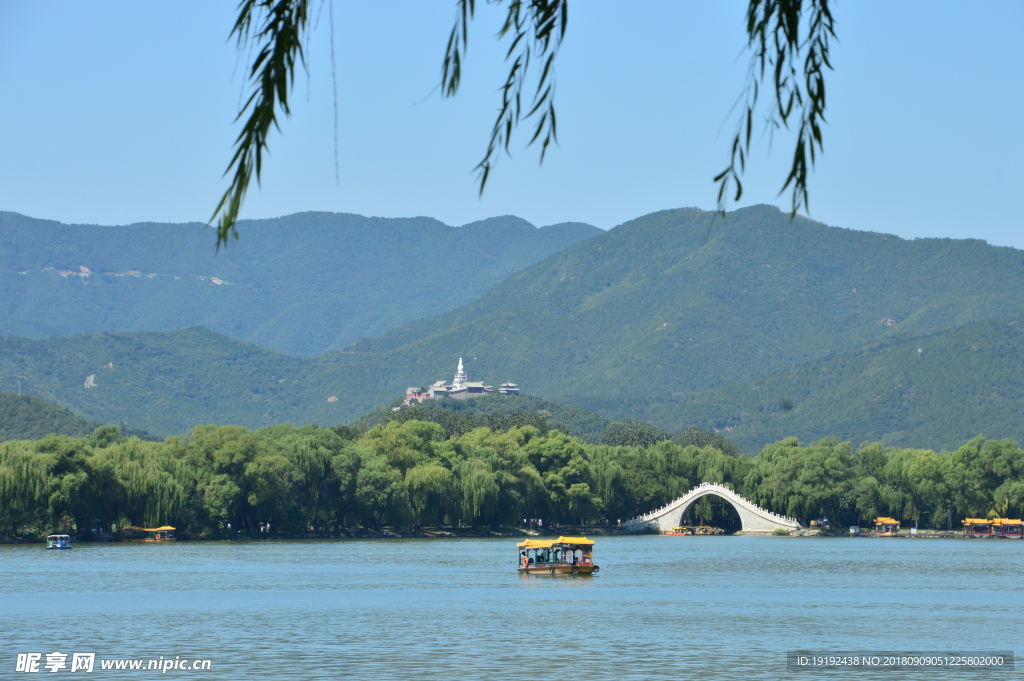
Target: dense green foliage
{"points": [[497, 412], [303, 284], [501, 413], [402, 473], [23, 417], [680, 300], [934, 391], [164, 383]]}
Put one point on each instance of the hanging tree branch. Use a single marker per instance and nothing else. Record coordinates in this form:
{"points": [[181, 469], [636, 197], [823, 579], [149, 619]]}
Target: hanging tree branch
{"points": [[774, 30], [537, 28], [780, 33], [279, 28]]}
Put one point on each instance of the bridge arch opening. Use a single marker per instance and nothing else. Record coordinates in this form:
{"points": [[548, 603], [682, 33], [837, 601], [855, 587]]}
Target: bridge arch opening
{"points": [[715, 511]]}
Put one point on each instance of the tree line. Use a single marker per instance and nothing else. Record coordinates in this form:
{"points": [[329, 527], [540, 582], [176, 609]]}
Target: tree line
{"points": [[401, 473]]}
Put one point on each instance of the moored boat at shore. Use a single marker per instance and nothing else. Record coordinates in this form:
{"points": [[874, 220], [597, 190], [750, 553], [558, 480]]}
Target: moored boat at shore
{"points": [[562, 556], [154, 534], [684, 531], [1004, 528], [887, 527], [977, 527], [1007, 528], [59, 542]]}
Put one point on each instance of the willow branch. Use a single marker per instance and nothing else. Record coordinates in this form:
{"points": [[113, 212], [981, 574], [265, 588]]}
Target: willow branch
{"points": [[780, 33], [277, 27]]}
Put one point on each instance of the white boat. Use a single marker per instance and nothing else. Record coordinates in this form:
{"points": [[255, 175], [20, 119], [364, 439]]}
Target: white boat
{"points": [[59, 542]]}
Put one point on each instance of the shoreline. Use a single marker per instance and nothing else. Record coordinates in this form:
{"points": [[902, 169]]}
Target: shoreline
{"points": [[505, 532]]}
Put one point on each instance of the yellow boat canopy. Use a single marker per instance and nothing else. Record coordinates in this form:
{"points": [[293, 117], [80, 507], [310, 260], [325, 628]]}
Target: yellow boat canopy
{"points": [[162, 528], [978, 521], [1005, 521], [886, 521], [548, 543]]}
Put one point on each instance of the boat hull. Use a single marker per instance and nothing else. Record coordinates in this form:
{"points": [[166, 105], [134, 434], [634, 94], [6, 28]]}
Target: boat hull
{"points": [[59, 548], [558, 569]]}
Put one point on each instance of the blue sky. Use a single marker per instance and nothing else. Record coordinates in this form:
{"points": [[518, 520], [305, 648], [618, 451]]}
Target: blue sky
{"points": [[119, 112]]}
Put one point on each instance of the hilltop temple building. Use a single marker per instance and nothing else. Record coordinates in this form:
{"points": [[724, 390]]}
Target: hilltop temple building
{"points": [[460, 388]]}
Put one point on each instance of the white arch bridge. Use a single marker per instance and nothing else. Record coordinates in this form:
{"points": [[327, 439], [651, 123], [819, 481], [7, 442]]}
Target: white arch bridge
{"points": [[755, 519]]}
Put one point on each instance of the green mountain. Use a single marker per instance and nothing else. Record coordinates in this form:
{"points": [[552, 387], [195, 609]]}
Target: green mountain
{"points": [[168, 382], [461, 416], [632, 323], [162, 382], [935, 391], [302, 284], [683, 300], [23, 417]]}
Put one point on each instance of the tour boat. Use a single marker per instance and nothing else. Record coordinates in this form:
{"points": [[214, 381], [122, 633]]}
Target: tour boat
{"points": [[1004, 528], [156, 534], [59, 542], [1007, 528], [887, 527], [682, 532], [977, 527], [562, 556]]}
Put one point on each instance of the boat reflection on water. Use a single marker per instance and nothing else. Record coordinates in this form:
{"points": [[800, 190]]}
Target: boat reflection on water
{"points": [[562, 556]]}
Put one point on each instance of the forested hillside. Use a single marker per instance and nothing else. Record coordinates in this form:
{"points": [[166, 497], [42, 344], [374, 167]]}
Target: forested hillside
{"points": [[164, 383], [682, 300], [301, 284], [637, 322], [23, 417], [495, 411], [931, 391]]}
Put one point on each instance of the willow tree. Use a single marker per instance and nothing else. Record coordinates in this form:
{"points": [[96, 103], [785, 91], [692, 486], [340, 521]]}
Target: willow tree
{"points": [[432, 493], [804, 482], [152, 486], [322, 479], [520, 484], [788, 40], [23, 482]]}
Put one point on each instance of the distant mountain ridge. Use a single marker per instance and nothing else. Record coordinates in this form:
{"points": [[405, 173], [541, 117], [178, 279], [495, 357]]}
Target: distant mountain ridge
{"points": [[645, 321], [24, 417], [933, 391], [683, 300], [302, 284]]}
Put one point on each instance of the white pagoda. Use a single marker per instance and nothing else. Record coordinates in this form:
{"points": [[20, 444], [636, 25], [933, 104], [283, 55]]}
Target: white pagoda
{"points": [[460, 388]]}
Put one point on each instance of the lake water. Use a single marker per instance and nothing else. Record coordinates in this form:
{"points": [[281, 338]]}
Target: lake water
{"points": [[661, 607]]}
